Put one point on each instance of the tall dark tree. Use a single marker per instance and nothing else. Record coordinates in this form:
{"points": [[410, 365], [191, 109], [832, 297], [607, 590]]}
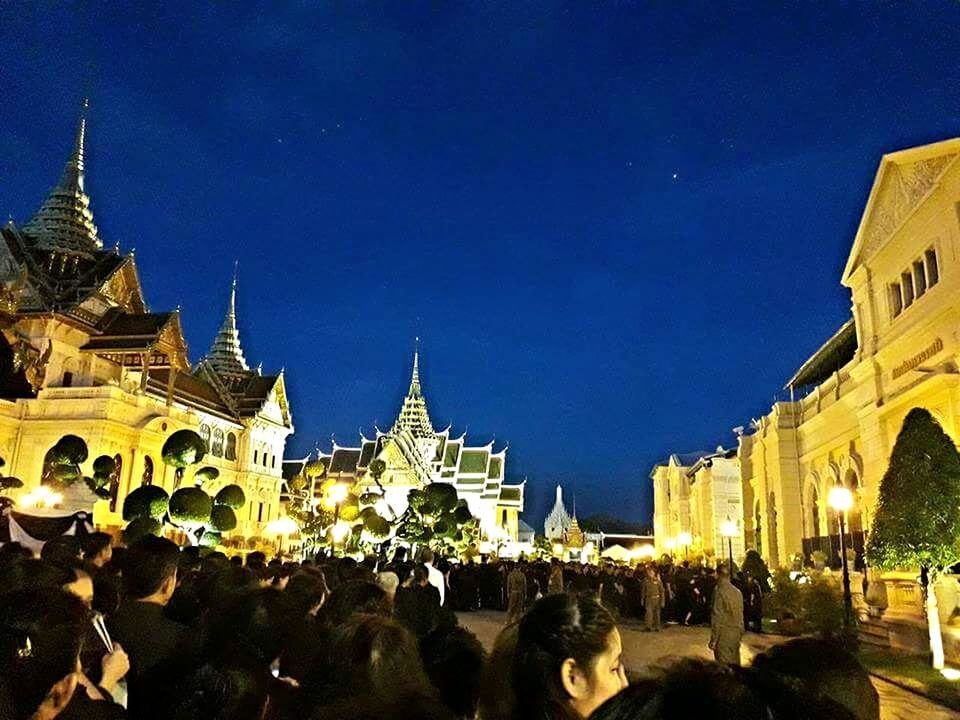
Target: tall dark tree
{"points": [[917, 522]]}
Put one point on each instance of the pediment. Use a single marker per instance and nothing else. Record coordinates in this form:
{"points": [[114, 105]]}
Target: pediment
{"points": [[903, 182]]}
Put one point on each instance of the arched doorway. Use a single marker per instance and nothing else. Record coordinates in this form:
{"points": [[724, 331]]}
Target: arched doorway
{"points": [[147, 478], [115, 481], [812, 523], [855, 517]]}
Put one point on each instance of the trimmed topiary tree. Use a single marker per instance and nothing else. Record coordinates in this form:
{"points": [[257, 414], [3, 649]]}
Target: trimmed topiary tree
{"points": [[148, 501], [222, 519], [181, 450], [917, 521], [7, 483], [205, 475], [232, 496]]}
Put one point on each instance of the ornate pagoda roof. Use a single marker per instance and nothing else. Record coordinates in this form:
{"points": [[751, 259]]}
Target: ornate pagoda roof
{"points": [[64, 222], [225, 355], [414, 417]]}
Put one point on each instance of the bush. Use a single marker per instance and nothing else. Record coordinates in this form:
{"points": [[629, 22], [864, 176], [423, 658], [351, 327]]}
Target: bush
{"points": [[148, 501], [443, 496], [71, 449], [190, 506], [784, 602], [183, 448], [104, 465], [222, 518], [140, 527], [205, 474], [232, 496], [823, 607], [210, 539]]}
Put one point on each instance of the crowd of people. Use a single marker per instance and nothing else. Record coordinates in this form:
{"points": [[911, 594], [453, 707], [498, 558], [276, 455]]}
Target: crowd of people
{"points": [[657, 593], [89, 631]]}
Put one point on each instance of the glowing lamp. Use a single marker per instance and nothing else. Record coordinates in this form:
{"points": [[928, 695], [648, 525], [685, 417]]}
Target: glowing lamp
{"points": [[41, 497], [684, 539], [337, 493], [840, 499], [340, 532], [282, 526], [645, 551], [951, 674], [669, 543], [558, 549], [728, 528]]}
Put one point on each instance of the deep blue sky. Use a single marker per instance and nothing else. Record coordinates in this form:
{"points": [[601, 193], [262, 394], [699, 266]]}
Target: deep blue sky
{"points": [[618, 227]]}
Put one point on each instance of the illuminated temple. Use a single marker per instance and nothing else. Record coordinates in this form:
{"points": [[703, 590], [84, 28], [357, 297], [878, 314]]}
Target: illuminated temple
{"points": [[416, 454], [81, 354]]}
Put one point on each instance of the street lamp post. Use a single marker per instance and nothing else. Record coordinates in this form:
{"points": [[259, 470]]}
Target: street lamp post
{"points": [[728, 529], [841, 500], [685, 539]]}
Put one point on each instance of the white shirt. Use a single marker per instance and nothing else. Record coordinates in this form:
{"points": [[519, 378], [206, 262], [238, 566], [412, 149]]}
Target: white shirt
{"points": [[435, 578]]}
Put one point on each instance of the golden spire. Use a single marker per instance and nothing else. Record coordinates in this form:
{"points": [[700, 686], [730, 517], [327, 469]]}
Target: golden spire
{"points": [[226, 355], [64, 222]]}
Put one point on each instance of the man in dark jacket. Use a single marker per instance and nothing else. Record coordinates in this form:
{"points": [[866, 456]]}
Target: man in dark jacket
{"points": [[150, 639], [417, 603]]}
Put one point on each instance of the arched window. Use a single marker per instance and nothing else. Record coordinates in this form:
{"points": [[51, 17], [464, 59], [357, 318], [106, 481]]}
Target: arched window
{"points": [[231, 451], [772, 529], [813, 511], [205, 434], [147, 478], [854, 516], [217, 448], [115, 481]]}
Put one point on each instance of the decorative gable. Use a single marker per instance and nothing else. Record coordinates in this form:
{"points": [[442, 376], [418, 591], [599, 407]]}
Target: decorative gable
{"points": [[903, 182]]}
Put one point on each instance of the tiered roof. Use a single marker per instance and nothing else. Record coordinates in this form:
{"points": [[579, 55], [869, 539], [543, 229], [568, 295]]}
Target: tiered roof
{"points": [[432, 456], [226, 355]]}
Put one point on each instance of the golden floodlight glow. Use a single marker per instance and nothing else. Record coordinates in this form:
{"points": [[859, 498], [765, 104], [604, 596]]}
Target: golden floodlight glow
{"points": [[669, 543], [41, 497], [558, 549], [645, 551], [728, 528], [951, 674], [340, 531], [337, 493], [840, 499], [282, 526], [684, 539]]}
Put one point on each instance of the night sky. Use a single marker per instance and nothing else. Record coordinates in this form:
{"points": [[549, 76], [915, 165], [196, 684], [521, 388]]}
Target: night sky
{"points": [[617, 227]]}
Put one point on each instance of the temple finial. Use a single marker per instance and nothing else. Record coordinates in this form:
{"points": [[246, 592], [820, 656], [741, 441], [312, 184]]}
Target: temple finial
{"points": [[413, 415], [64, 222], [226, 355]]}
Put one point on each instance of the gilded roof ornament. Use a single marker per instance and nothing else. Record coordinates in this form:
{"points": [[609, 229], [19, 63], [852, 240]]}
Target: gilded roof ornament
{"points": [[226, 355], [64, 222]]}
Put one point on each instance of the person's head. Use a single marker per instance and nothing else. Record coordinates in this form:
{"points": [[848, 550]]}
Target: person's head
{"points": [[568, 658], [97, 549], [700, 689], [824, 669], [388, 581], [427, 557], [421, 576], [369, 655], [40, 641], [62, 550], [306, 592], [497, 700], [150, 570], [356, 596], [256, 560], [723, 571], [453, 659]]}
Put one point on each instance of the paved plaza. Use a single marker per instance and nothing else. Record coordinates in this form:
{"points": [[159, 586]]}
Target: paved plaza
{"points": [[642, 650]]}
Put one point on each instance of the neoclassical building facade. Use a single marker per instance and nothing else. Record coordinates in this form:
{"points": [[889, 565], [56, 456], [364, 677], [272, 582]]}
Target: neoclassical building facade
{"points": [[898, 350], [81, 354]]}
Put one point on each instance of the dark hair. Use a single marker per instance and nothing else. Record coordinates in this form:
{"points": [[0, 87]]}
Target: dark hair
{"points": [[698, 688], [355, 596], [497, 699], [557, 627], [368, 655], [148, 563], [420, 574], [306, 590], [453, 659], [61, 550], [824, 669], [426, 556], [256, 559], [40, 641], [94, 544]]}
